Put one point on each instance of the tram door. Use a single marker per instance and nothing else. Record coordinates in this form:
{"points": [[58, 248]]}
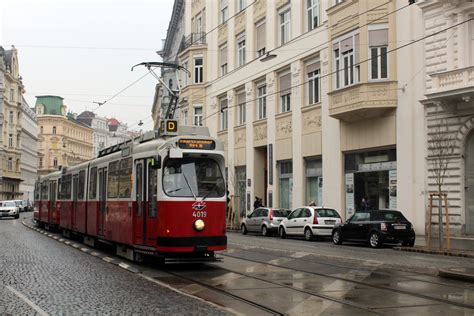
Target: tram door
{"points": [[102, 200], [75, 183], [52, 199], [145, 215]]}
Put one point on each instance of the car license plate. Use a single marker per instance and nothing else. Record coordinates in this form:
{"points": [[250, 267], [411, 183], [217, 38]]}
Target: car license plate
{"points": [[399, 227], [330, 222]]}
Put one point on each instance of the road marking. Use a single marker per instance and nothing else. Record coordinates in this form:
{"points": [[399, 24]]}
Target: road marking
{"points": [[27, 301], [124, 265], [107, 259]]}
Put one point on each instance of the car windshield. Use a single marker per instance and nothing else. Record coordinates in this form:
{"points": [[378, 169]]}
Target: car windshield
{"points": [[8, 204], [281, 213], [327, 213], [391, 216], [190, 177]]}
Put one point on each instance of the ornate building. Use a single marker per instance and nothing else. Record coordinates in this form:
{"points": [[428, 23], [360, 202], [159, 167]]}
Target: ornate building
{"points": [[29, 151], [63, 141], [11, 96]]}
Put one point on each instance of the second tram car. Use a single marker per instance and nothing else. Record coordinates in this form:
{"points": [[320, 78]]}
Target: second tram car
{"points": [[164, 196]]}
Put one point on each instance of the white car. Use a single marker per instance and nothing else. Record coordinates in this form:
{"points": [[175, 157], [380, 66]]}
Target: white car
{"points": [[9, 209], [309, 221]]}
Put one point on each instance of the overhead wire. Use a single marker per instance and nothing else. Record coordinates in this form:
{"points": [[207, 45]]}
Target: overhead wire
{"points": [[356, 64]]}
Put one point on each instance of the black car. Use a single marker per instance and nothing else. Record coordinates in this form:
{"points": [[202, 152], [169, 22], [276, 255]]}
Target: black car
{"points": [[376, 228]]}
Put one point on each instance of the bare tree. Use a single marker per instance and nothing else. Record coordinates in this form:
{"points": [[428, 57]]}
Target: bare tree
{"points": [[441, 145]]}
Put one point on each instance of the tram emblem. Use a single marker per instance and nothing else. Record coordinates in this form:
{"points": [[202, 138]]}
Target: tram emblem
{"points": [[199, 205]]}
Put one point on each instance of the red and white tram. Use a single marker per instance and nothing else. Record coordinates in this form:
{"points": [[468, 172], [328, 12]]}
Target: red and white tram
{"points": [[164, 196]]}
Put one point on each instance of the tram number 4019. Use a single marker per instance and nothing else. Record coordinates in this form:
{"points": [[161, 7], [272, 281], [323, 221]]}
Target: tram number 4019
{"points": [[199, 214]]}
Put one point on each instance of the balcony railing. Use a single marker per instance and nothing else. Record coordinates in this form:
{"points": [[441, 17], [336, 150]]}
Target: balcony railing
{"points": [[193, 39], [452, 80]]}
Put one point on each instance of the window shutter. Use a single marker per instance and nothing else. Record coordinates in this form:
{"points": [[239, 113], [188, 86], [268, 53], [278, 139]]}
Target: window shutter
{"points": [[241, 97], [313, 67], [223, 53], [346, 45], [223, 104], [378, 37], [356, 48], [285, 84], [261, 37]]}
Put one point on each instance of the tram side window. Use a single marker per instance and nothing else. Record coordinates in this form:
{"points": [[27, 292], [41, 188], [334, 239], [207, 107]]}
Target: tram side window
{"points": [[59, 189], [82, 183], [66, 184], [152, 191], [44, 191], [113, 180], [37, 191], [125, 177], [93, 183]]}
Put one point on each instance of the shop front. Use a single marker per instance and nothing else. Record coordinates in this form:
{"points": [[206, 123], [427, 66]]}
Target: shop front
{"points": [[370, 181]]}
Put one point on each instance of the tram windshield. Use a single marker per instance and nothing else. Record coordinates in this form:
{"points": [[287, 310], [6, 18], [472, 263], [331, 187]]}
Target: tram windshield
{"points": [[193, 177]]}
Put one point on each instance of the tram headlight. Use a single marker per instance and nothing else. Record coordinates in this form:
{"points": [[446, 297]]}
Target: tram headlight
{"points": [[199, 225]]}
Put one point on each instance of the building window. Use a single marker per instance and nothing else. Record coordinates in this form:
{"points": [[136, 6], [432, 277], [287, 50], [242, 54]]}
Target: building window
{"points": [[55, 162], [312, 9], [41, 162], [12, 95], [314, 72], [224, 11], [41, 129], [54, 129], [223, 114], [378, 43], [241, 5], [314, 181], [223, 59], [346, 56], [284, 19], [285, 92], [261, 40], [10, 140], [10, 117], [241, 51], [286, 184], [197, 117], [10, 164], [198, 70], [241, 108], [262, 102], [185, 117]]}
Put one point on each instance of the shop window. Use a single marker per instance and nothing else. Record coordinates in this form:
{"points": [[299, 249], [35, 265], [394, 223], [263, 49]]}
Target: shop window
{"points": [[314, 181], [286, 184]]}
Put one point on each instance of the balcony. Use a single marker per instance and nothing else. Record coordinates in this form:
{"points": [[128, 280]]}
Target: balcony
{"points": [[453, 88], [191, 40], [363, 101]]}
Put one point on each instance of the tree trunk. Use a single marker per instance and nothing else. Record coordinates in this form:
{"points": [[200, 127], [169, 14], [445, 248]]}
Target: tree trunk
{"points": [[440, 221]]}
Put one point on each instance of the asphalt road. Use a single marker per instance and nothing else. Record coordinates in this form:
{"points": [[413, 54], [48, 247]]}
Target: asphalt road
{"points": [[39, 275]]}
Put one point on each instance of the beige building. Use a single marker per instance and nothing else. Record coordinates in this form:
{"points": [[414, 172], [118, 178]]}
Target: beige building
{"points": [[63, 141], [11, 94], [301, 91]]}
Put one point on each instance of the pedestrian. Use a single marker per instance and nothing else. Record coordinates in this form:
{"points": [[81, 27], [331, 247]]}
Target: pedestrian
{"points": [[364, 204], [256, 204], [312, 203], [260, 202]]}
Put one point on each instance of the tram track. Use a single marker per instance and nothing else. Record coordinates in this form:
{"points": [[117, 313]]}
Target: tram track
{"points": [[371, 285]]}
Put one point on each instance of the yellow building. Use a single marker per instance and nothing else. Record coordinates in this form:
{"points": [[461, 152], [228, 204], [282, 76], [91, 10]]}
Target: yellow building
{"points": [[63, 141]]}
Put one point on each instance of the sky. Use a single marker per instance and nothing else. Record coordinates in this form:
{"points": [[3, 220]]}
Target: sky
{"points": [[83, 50]]}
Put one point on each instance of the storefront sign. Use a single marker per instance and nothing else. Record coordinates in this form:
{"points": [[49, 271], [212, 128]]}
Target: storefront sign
{"points": [[377, 166], [350, 207], [392, 189]]}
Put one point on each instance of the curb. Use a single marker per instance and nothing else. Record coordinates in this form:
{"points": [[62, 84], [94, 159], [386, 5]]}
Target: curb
{"points": [[83, 248], [435, 252], [456, 274]]}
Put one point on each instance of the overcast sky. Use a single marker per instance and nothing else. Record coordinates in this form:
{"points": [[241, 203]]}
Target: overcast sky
{"points": [[87, 71]]}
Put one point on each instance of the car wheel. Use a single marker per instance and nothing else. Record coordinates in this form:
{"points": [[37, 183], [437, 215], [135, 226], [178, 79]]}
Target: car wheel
{"points": [[374, 240], [337, 237], [243, 229], [410, 243], [308, 234], [282, 233], [264, 231], [17, 216]]}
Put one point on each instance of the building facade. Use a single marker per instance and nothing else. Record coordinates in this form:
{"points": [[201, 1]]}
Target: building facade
{"points": [[29, 151], [11, 96], [306, 91], [63, 141]]}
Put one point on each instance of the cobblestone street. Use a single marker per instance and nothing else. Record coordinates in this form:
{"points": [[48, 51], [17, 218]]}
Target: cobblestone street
{"points": [[40, 275]]}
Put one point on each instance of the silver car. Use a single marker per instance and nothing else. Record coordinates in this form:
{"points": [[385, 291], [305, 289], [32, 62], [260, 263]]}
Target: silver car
{"points": [[263, 220], [9, 209]]}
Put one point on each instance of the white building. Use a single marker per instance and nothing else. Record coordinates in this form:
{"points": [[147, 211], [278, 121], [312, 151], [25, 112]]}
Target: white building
{"points": [[29, 151]]}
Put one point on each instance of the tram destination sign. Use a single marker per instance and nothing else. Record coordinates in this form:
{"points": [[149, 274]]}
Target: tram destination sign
{"points": [[206, 144]]}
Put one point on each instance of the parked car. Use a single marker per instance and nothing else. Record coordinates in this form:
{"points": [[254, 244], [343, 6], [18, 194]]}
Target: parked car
{"points": [[9, 209], [376, 228], [264, 220], [22, 205], [309, 222]]}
